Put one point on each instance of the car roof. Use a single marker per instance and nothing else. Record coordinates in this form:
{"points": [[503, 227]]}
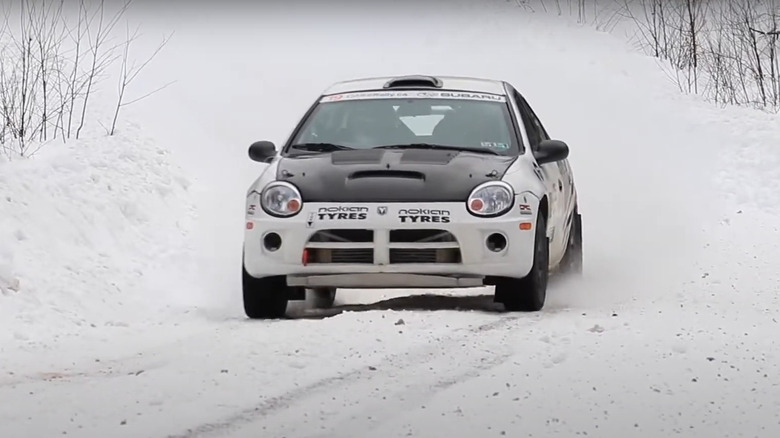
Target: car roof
{"points": [[459, 83]]}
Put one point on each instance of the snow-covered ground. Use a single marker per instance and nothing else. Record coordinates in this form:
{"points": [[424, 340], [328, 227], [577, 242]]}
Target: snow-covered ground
{"points": [[119, 257]]}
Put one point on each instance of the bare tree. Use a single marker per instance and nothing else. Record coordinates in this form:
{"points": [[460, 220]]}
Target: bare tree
{"points": [[129, 73], [51, 64], [100, 60], [73, 89], [726, 51]]}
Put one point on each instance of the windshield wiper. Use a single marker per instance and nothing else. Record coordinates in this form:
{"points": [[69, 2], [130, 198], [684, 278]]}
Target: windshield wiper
{"points": [[320, 147], [437, 146]]}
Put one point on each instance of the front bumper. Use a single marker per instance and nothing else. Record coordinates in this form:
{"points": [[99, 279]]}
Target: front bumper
{"points": [[374, 245]]}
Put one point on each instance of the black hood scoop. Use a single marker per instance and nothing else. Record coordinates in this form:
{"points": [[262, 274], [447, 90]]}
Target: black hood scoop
{"points": [[387, 173]]}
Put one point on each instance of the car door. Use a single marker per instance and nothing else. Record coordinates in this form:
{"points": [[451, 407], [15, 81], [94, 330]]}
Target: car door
{"points": [[565, 187], [554, 175]]}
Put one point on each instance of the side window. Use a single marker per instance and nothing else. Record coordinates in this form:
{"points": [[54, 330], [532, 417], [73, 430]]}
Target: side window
{"points": [[563, 164], [537, 123], [533, 135], [539, 126], [531, 126]]}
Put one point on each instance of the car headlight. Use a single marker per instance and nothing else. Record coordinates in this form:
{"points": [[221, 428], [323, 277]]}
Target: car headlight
{"points": [[492, 198], [281, 199]]}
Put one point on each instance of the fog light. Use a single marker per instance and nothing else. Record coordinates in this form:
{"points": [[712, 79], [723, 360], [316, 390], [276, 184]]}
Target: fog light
{"points": [[496, 242], [272, 241]]}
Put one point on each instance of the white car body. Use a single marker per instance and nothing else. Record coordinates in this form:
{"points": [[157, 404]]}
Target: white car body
{"points": [[387, 259]]}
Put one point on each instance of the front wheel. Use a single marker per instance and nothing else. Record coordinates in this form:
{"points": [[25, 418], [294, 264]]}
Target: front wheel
{"points": [[528, 294], [264, 298]]}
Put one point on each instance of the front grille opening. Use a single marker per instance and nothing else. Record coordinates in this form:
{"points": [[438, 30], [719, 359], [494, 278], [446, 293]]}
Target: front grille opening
{"points": [[341, 255], [426, 255], [420, 236], [345, 235]]}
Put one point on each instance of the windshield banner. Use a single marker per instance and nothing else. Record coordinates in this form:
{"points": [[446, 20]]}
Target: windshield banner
{"points": [[413, 94]]}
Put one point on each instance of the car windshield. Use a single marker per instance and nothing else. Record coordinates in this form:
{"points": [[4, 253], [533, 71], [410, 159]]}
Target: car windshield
{"points": [[401, 118]]}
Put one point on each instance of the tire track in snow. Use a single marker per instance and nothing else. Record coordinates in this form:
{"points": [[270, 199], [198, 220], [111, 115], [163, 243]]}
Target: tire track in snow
{"points": [[374, 412], [406, 361], [118, 364], [71, 376]]}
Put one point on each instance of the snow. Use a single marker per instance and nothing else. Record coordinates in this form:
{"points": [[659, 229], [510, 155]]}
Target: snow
{"points": [[92, 232], [119, 256]]}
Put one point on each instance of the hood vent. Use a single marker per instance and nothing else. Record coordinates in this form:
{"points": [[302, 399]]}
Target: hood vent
{"points": [[407, 174]]}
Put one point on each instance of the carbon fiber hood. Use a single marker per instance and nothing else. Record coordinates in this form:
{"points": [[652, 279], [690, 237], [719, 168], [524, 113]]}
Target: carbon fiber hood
{"points": [[381, 175]]}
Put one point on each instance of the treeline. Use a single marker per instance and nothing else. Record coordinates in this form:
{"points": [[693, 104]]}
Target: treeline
{"points": [[725, 50]]}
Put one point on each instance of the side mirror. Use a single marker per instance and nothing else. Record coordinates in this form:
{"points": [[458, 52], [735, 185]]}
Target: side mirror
{"points": [[262, 151], [550, 151]]}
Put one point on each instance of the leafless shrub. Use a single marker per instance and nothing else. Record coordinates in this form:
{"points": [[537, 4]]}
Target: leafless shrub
{"points": [[128, 73], [729, 49], [51, 64], [603, 14], [726, 51]]}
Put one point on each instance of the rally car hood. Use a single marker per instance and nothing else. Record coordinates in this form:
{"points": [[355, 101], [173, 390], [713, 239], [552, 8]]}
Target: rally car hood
{"points": [[382, 175]]}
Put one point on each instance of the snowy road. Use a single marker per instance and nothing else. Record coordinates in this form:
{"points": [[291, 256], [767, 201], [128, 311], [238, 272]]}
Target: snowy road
{"points": [[470, 372], [136, 329]]}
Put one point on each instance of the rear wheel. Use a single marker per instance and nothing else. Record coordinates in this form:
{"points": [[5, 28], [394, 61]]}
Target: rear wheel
{"points": [[528, 294], [323, 297], [572, 260], [264, 298]]}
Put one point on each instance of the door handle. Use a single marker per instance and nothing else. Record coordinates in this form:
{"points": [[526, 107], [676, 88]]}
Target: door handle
{"points": [[560, 185]]}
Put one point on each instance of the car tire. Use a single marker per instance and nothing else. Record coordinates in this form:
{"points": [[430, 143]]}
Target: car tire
{"points": [[529, 293], [264, 298], [322, 297], [573, 259]]}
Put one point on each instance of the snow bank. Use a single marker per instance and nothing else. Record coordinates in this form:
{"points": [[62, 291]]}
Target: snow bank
{"points": [[92, 233], [750, 160]]}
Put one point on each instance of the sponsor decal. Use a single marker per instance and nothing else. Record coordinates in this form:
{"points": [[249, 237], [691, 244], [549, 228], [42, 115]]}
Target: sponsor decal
{"points": [[525, 209], [472, 96], [310, 220], [367, 95], [363, 95], [250, 211], [342, 213], [423, 215], [381, 211]]}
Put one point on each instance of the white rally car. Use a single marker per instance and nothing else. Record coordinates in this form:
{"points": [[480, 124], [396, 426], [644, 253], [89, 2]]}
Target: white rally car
{"points": [[411, 182]]}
